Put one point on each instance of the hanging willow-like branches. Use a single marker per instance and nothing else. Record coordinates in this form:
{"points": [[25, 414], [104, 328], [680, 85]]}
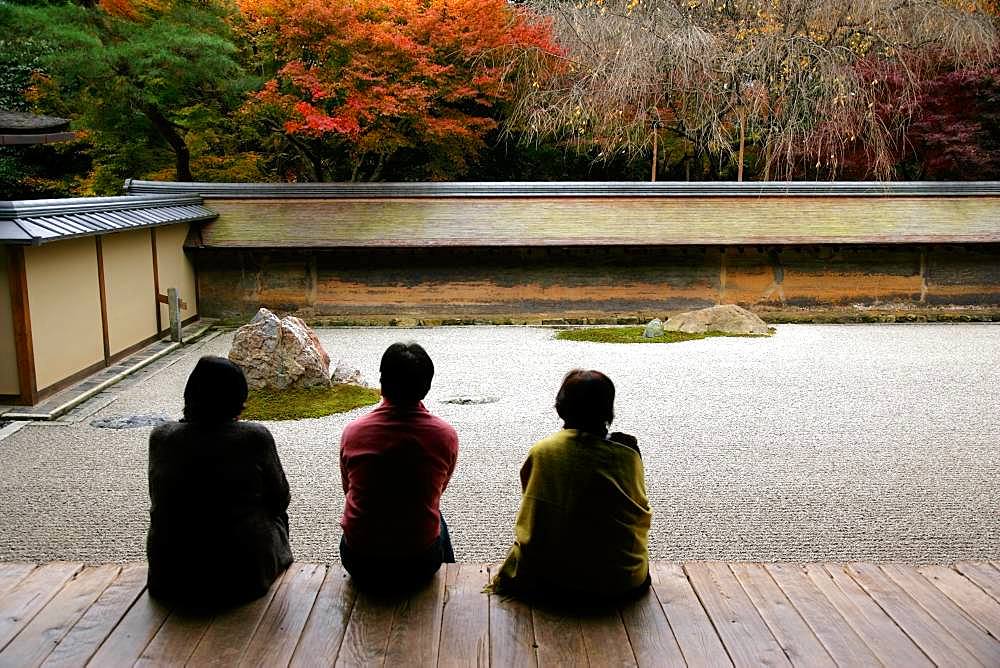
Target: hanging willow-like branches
{"points": [[800, 80]]}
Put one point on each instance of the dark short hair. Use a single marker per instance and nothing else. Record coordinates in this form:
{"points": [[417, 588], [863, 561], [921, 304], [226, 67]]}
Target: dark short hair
{"points": [[407, 371], [586, 400], [216, 391]]}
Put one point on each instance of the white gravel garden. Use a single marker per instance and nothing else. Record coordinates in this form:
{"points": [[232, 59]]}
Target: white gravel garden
{"points": [[822, 442]]}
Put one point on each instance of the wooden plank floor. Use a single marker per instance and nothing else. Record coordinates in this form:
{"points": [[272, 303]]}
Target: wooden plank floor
{"points": [[697, 614]]}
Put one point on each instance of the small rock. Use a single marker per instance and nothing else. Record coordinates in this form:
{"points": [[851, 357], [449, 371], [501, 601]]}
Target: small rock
{"points": [[654, 329], [727, 318], [279, 353], [345, 373], [468, 400], [129, 421]]}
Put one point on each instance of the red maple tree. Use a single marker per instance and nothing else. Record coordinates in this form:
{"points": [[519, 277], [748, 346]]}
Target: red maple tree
{"points": [[371, 81]]}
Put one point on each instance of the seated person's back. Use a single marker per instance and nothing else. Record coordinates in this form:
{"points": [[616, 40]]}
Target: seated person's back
{"points": [[395, 464], [582, 527], [218, 524]]}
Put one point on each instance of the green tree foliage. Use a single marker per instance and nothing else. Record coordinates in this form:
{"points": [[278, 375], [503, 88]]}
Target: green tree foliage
{"points": [[141, 78]]}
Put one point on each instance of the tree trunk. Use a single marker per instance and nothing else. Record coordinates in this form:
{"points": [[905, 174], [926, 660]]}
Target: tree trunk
{"points": [[379, 166], [169, 133], [654, 155], [319, 174], [743, 141]]}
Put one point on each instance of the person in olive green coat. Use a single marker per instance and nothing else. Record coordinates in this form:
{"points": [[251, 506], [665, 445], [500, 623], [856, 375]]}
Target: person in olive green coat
{"points": [[582, 527]]}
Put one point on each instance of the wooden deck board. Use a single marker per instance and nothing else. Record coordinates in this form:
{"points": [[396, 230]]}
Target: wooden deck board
{"points": [[278, 633], [977, 604], [876, 628], [512, 632], [982, 575], [324, 631], [838, 637], [91, 630], [649, 633], [793, 634], [692, 627], [416, 626], [11, 574], [695, 614], [739, 625], [47, 629], [27, 598], [973, 637], [368, 629], [558, 638], [465, 625], [128, 640], [932, 638], [175, 641], [606, 639], [226, 639]]}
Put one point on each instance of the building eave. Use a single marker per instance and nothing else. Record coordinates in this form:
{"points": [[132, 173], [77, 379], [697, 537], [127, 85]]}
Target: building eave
{"points": [[592, 189]]}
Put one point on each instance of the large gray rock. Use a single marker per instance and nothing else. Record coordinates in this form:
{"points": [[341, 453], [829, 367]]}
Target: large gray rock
{"points": [[727, 318], [654, 329], [279, 353]]}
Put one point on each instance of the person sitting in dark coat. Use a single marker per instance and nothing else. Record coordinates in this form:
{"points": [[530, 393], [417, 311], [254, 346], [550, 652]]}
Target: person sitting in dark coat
{"points": [[218, 531]]}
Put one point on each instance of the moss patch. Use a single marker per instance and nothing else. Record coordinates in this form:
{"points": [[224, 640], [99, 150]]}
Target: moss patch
{"points": [[634, 335], [307, 403]]}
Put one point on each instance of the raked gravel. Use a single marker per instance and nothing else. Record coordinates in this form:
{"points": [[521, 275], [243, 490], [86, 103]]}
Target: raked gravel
{"points": [[839, 442]]}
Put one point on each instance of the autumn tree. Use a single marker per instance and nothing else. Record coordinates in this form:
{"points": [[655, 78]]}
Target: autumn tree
{"points": [[778, 78], [368, 87], [139, 74], [954, 127]]}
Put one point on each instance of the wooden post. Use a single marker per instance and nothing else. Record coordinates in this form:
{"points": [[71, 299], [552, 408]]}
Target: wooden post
{"points": [[21, 312], [743, 140], [174, 307], [655, 133], [156, 281], [102, 286]]}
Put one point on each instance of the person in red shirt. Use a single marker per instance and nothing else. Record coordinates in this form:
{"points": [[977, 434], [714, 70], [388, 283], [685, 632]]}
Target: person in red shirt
{"points": [[395, 464]]}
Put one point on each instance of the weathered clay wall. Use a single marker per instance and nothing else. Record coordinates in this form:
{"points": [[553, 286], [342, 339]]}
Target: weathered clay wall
{"points": [[175, 270], [65, 303], [532, 283], [128, 277]]}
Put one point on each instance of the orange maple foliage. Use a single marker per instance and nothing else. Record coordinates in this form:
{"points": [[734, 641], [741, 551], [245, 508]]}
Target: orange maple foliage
{"points": [[388, 75], [132, 10]]}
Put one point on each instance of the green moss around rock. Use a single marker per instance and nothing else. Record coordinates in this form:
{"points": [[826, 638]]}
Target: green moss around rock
{"points": [[307, 403], [634, 335]]}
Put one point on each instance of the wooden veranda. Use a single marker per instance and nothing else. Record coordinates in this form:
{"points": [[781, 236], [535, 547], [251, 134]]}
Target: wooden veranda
{"points": [[698, 614]]}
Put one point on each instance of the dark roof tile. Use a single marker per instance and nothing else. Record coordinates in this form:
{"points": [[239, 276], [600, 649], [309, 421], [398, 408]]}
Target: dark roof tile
{"points": [[42, 221]]}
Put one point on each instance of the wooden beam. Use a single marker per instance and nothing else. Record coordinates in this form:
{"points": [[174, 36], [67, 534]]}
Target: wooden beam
{"points": [[21, 312], [156, 280], [102, 284]]}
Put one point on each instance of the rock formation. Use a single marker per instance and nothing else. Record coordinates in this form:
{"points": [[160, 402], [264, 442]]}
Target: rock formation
{"points": [[727, 318], [279, 353], [654, 329]]}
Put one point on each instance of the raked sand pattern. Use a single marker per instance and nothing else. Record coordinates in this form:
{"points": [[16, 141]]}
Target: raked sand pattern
{"points": [[821, 443]]}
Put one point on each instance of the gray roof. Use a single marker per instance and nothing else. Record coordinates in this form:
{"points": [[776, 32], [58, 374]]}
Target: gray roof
{"points": [[20, 122], [569, 189], [34, 222]]}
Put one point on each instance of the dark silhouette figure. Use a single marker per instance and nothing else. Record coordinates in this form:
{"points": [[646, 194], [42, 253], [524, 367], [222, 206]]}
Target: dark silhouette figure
{"points": [[218, 531], [582, 527], [395, 464]]}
